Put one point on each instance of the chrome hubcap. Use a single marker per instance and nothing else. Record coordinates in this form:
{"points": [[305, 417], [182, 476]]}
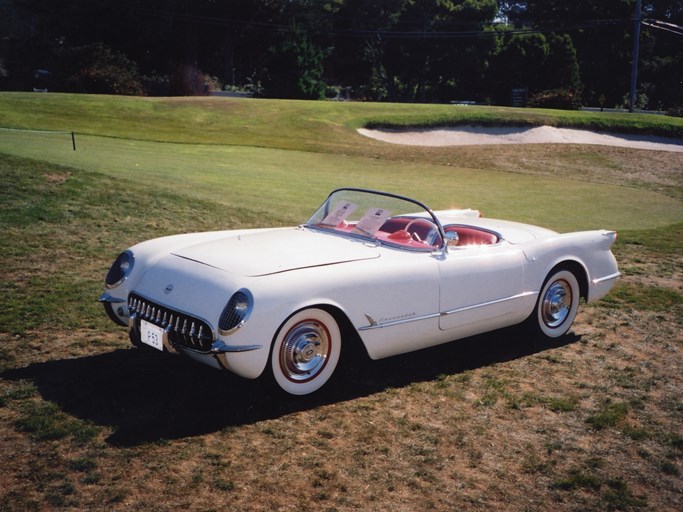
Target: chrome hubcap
{"points": [[304, 351], [557, 303]]}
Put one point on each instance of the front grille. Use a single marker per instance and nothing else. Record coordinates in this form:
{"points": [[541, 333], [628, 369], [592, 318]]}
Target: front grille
{"points": [[182, 329]]}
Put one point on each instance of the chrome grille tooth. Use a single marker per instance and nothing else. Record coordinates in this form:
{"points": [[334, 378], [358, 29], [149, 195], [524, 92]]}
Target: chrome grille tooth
{"points": [[193, 340], [177, 324], [201, 333], [184, 331], [164, 320], [158, 319]]}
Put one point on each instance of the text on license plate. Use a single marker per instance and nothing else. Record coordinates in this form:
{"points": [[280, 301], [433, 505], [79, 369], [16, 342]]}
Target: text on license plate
{"points": [[151, 335]]}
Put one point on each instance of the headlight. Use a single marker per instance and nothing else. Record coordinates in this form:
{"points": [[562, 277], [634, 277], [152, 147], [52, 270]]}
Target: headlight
{"points": [[120, 269], [236, 312]]}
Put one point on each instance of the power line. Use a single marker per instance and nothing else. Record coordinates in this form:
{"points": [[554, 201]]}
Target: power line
{"points": [[494, 29], [464, 34], [662, 25]]}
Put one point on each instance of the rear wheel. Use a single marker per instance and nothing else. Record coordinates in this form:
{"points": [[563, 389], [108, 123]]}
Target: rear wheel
{"points": [[305, 352], [557, 304]]}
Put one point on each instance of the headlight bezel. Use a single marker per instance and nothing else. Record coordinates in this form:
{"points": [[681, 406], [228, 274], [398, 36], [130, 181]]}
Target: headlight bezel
{"points": [[119, 270], [236, 312]]}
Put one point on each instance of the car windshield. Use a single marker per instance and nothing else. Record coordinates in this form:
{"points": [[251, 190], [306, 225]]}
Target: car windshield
{"points": [[381, 217]]}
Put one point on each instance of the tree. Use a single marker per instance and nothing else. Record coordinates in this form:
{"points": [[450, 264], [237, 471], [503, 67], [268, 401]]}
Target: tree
{"points": [[600, 32], [295, 68], [395, 50]]}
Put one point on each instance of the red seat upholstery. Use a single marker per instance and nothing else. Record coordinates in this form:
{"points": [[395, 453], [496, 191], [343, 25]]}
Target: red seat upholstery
{"points": [[472, 236]]}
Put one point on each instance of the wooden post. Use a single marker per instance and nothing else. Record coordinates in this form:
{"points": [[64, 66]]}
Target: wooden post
{"points": [[73, 140], [634, 64]]}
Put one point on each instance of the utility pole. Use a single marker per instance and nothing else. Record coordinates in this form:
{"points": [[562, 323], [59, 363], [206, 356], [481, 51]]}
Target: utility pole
{"points": [[636, 49]]}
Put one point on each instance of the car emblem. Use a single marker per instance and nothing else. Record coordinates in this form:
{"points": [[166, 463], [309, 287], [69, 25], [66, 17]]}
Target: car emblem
{"points": [[168, 289]]}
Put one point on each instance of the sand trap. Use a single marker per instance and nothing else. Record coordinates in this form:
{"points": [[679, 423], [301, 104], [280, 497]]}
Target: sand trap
{"points": [[478, 135]]}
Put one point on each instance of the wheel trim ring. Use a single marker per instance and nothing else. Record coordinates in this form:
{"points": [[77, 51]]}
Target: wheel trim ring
{"points": [[557, 303], [305, 351]]}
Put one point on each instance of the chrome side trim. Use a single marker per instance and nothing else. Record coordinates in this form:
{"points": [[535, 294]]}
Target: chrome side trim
{"points": [[375, 325], [606, 278], [220, 347], [490, 303], [398, 322], [105, 297]]}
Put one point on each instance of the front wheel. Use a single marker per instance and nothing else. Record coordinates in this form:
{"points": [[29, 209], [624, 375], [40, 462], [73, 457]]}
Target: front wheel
{"points": [[305, 352], [557, 304]]}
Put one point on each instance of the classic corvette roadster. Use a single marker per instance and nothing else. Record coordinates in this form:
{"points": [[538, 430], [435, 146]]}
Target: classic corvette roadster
{"points": [[369, 267]]}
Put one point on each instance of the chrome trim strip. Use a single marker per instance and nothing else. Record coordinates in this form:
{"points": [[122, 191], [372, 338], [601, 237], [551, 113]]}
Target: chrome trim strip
{"points": [[376, 325], [606, 278], [398, 322], [490, 303], [105, 297], [220, 347]]}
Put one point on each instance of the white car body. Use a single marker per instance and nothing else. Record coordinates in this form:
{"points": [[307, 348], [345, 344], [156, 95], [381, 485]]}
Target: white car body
{"points": [[395, 298]]}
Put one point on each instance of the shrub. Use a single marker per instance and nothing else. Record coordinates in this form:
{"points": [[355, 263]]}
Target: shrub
{"points": [[675, 111], [555, 98], [156, 85], [99, 70]]}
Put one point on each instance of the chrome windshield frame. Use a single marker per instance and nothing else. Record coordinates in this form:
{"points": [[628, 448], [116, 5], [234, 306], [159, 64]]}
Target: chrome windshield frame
{"points": [[314, 222]]}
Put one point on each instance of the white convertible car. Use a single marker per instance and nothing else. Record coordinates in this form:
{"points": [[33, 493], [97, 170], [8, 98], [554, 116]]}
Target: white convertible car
{"points": [[368, 266]]}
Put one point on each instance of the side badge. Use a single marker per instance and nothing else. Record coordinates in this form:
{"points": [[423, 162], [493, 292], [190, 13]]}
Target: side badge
{"points": [[168, 289]]}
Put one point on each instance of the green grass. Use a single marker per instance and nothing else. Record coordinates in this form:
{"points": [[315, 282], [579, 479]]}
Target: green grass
{"points": [[277, 123], [78, 219], [262, 154], [610, 415], [668, 241], [45, 422], [649, 298]]}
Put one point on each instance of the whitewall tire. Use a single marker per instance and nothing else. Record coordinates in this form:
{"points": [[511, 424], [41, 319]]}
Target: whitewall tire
{"points": [[305, 352], [557, 304]]}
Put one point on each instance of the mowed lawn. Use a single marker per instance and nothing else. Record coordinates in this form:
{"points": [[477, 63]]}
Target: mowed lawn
{"points": [[284, 157], [592, 422]]}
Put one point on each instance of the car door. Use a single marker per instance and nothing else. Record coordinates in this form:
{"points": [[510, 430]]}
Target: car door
{"points": [[481, 288]]}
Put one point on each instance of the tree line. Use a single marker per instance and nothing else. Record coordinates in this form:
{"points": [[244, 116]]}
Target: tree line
{"points": [[554, 53]]}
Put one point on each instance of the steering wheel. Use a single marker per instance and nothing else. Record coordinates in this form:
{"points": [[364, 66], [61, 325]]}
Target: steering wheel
{"points": [[430, 225]]}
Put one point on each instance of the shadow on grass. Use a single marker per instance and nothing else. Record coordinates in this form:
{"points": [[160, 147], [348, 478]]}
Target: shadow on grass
{"points": [[145, 396]]}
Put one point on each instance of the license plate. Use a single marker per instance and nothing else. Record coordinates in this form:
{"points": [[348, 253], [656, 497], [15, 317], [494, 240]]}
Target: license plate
{"points": [[151, 335]]}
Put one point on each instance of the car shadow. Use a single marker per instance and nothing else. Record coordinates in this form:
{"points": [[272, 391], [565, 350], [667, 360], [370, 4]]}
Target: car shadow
{"points": [[145, 396]]}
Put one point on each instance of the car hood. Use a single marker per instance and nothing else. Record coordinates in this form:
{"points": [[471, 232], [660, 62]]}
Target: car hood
{"points": [[275, 251]]}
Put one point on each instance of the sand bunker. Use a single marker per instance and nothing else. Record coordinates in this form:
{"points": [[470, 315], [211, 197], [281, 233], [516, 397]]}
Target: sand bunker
{"points": [[478, 135]]}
